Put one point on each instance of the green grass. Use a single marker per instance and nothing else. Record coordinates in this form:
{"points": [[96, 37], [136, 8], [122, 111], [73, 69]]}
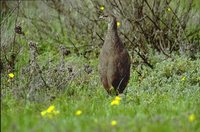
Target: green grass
{"points": [[159, 100]]}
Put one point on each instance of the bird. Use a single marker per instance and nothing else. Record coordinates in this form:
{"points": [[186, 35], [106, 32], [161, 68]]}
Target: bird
{"points": [[114, 60]]}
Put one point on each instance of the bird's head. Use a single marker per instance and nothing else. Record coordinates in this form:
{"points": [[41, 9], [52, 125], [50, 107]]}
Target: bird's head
{"points": [[111, 19]]}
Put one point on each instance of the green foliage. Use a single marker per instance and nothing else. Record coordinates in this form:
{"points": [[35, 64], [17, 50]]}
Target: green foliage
{"points": [[154, 102], [165, 98]]}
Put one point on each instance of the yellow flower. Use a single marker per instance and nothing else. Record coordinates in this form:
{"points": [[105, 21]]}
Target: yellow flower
{"points": [[51, 109], [113, 122], [115, 102], [43, 113], [50, 112], [11, 75], [191, 118], [78, 112], [183, 78], [168, 9], [118, 98], [118, 24], [102, 8]]}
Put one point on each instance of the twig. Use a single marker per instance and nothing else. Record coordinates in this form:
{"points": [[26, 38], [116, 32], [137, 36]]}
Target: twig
{"points": [[99, 36], [139, 54]]}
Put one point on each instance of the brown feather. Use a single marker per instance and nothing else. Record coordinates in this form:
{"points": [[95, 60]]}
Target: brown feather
{"points": [[114, 64]]}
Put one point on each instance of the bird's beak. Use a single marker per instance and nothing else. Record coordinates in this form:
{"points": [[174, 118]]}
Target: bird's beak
{"points": [[103, 16]]}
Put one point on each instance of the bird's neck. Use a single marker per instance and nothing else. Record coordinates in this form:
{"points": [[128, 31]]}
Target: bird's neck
{"points": [[112, 26], [112, 30]]}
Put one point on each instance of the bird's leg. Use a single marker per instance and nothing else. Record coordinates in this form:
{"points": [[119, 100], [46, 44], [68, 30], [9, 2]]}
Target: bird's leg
{"points": [[119, 90]]}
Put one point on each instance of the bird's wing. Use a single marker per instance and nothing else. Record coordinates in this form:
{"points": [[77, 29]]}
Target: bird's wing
{"points": [[123, 64]]}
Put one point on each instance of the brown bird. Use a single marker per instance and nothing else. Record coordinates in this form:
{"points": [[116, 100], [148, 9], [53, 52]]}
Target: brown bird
{"points": [[114, 60]]}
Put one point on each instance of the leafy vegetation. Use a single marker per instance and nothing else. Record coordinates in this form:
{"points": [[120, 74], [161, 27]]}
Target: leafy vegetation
{"points": [[49, 60]]}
